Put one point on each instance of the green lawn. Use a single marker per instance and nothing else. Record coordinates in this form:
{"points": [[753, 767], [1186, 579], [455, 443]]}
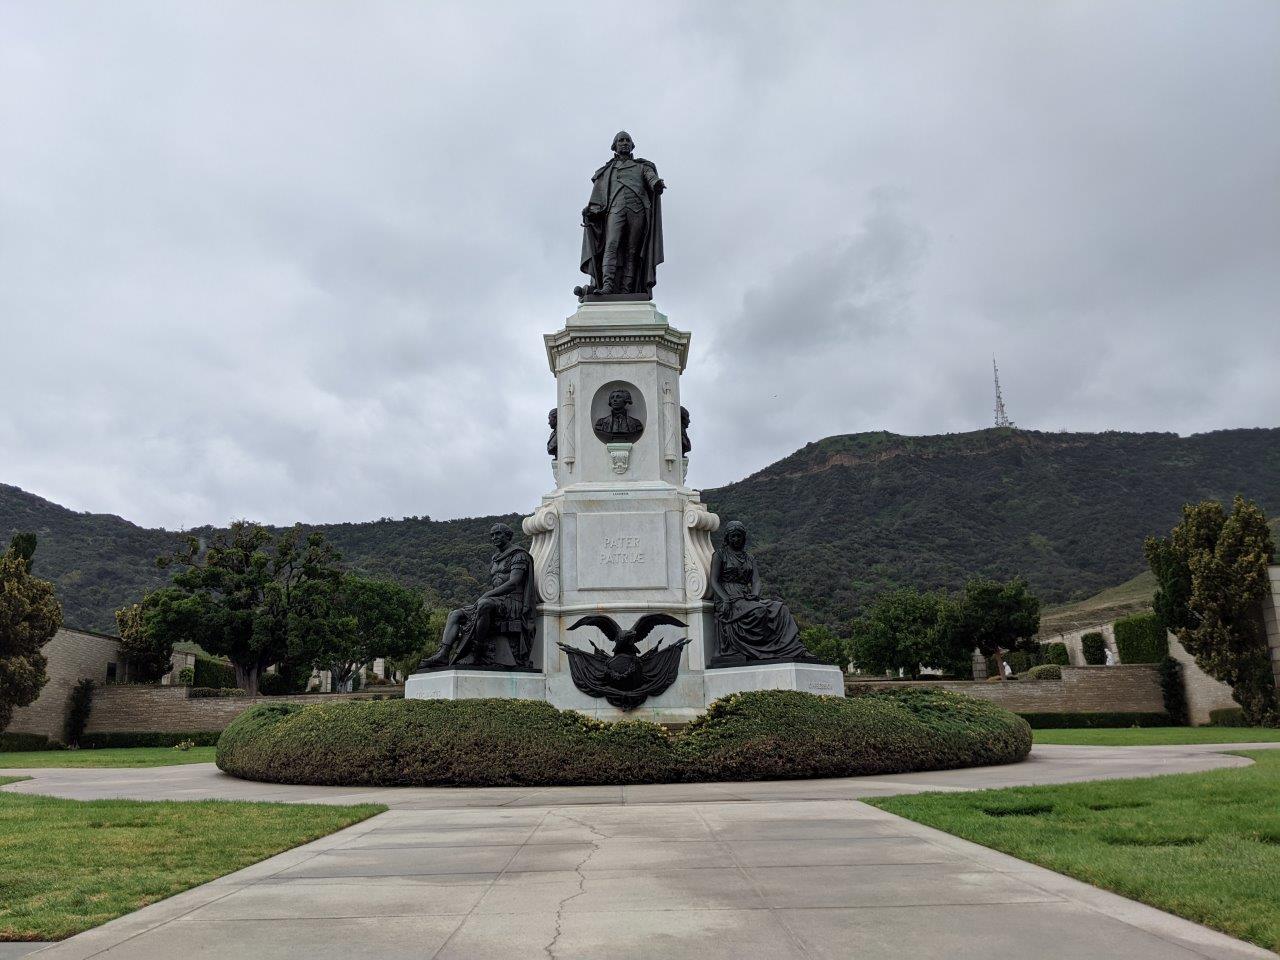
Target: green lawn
{"points": [[68, 865], [1158, 736], [1205, 846], [109, 757]]}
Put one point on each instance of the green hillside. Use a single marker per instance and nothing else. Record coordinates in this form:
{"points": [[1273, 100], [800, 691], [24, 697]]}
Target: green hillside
{"points": [[832, 525], [1132, 596]]}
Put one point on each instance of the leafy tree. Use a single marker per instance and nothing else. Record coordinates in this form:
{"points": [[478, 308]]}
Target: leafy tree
{"points": [[23, 546], [29, 618], [147, 652], [903, 630], [248, 596], [1212, 574], [430, 643], [824, 644], [994, 617], [354, 621]]}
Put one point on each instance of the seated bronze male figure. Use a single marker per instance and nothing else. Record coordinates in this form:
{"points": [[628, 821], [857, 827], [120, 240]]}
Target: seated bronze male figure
{"points": [[505, 610]]}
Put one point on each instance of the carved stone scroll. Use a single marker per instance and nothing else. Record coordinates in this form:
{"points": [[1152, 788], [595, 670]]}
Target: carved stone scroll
{"points": [[699, 524], [544, 528]]}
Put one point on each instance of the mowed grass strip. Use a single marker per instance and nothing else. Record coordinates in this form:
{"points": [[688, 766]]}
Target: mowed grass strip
{"points": [[68, 865], [1157, 736], [106, 757], [1205, 846]]}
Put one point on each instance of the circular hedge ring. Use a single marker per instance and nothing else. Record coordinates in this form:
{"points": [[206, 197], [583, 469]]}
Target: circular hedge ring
{"points": [[760, 735]]}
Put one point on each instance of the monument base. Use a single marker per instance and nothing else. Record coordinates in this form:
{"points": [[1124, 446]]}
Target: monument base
{"points": [[467, 684], [817, 678]]}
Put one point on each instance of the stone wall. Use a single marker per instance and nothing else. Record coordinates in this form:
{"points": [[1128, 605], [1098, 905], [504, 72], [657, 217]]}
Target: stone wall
{"points": [[126, 708], [1075, 649], [1203, 692], [1271, 615], [72, 655], [1117, 689]]}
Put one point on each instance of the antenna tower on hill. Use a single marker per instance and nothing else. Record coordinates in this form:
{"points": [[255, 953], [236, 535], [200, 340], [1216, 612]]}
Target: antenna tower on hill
{"points": [[1002, 418]]}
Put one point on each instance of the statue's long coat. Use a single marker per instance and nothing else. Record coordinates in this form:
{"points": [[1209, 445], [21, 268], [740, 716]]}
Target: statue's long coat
{"points": [[593, 231]]}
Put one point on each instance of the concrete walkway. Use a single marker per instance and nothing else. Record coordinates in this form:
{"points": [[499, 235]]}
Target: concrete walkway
{"points": [[772, 870]]}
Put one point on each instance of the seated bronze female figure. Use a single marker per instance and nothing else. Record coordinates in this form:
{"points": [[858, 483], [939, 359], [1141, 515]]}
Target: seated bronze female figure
{"points": [[750, 629]]}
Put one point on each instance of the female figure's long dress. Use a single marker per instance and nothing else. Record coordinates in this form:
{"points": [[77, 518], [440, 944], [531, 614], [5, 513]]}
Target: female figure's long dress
{"points": [[757, 629]]}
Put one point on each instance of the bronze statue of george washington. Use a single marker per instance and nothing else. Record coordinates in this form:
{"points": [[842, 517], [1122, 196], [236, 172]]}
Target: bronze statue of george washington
{"points": [[622, 225]]}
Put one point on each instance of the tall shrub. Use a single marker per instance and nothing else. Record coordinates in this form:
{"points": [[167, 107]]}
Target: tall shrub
{"points": [[1141, 639], [1174, 690], [1094, 647], [1212, 575], [213, 673], [29, 617], [148, 655], [79, 706], [1056, 653]]}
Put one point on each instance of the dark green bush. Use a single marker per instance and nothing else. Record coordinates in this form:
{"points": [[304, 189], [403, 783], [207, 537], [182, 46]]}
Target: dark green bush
{"points": [[187, 676], [747, 736], [1019, 661], [287, 679], [1056, 653], [197, 693], [1174, 691], [1141, 639], [1228, 717], [1046, 671], [24, 742], [213, 673], [1059, 721], [1094, 647], [79, 703], [201, 738]]}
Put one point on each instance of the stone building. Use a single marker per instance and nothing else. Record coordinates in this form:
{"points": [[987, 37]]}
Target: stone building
{"points": [[72, 655]]}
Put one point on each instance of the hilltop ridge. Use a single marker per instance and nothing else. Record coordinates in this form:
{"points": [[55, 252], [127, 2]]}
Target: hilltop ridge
{"points": [[832, 524]]}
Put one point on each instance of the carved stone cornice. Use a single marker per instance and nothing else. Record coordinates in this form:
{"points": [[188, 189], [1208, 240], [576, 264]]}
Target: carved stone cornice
{"points": [[568, 347]]}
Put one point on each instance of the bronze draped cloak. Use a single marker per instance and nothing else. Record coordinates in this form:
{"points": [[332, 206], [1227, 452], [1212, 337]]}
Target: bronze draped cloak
{"points": [[592, 260]]}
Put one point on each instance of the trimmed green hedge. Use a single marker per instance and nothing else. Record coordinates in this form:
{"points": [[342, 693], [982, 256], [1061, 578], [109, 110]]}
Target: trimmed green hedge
{"points": [[1141, 639], [213, 673], [201, 738], [1060, 721], [1046, 671], [1228, 717], [24, 742], [1094, 647], [771, 734], [1056, 653], [204, 693]]}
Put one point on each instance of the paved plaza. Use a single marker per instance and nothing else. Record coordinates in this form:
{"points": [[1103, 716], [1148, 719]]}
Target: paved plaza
{"points": [[797, 869]]}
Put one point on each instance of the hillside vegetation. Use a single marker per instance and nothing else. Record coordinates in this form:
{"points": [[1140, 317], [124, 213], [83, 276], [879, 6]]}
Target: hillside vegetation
{"points": [[832, 525]]}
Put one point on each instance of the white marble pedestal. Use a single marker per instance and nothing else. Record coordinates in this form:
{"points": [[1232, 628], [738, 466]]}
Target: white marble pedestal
{"points": [[622, 535], [464, 684], [817, 678]]}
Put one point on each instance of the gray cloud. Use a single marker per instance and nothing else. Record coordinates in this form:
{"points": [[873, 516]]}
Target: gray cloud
{"points": [[294, 261]]}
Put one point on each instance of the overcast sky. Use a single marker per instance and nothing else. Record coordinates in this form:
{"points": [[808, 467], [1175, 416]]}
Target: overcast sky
{"points": [[294, 261]]}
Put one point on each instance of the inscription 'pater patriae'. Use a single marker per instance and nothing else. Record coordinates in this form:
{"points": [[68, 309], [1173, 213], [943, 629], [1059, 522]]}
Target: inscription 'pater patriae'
{"points": [[621, 550]]}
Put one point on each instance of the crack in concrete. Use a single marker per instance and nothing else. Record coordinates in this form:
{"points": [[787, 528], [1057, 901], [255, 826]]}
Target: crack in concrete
{"points": [[549, 949]]}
